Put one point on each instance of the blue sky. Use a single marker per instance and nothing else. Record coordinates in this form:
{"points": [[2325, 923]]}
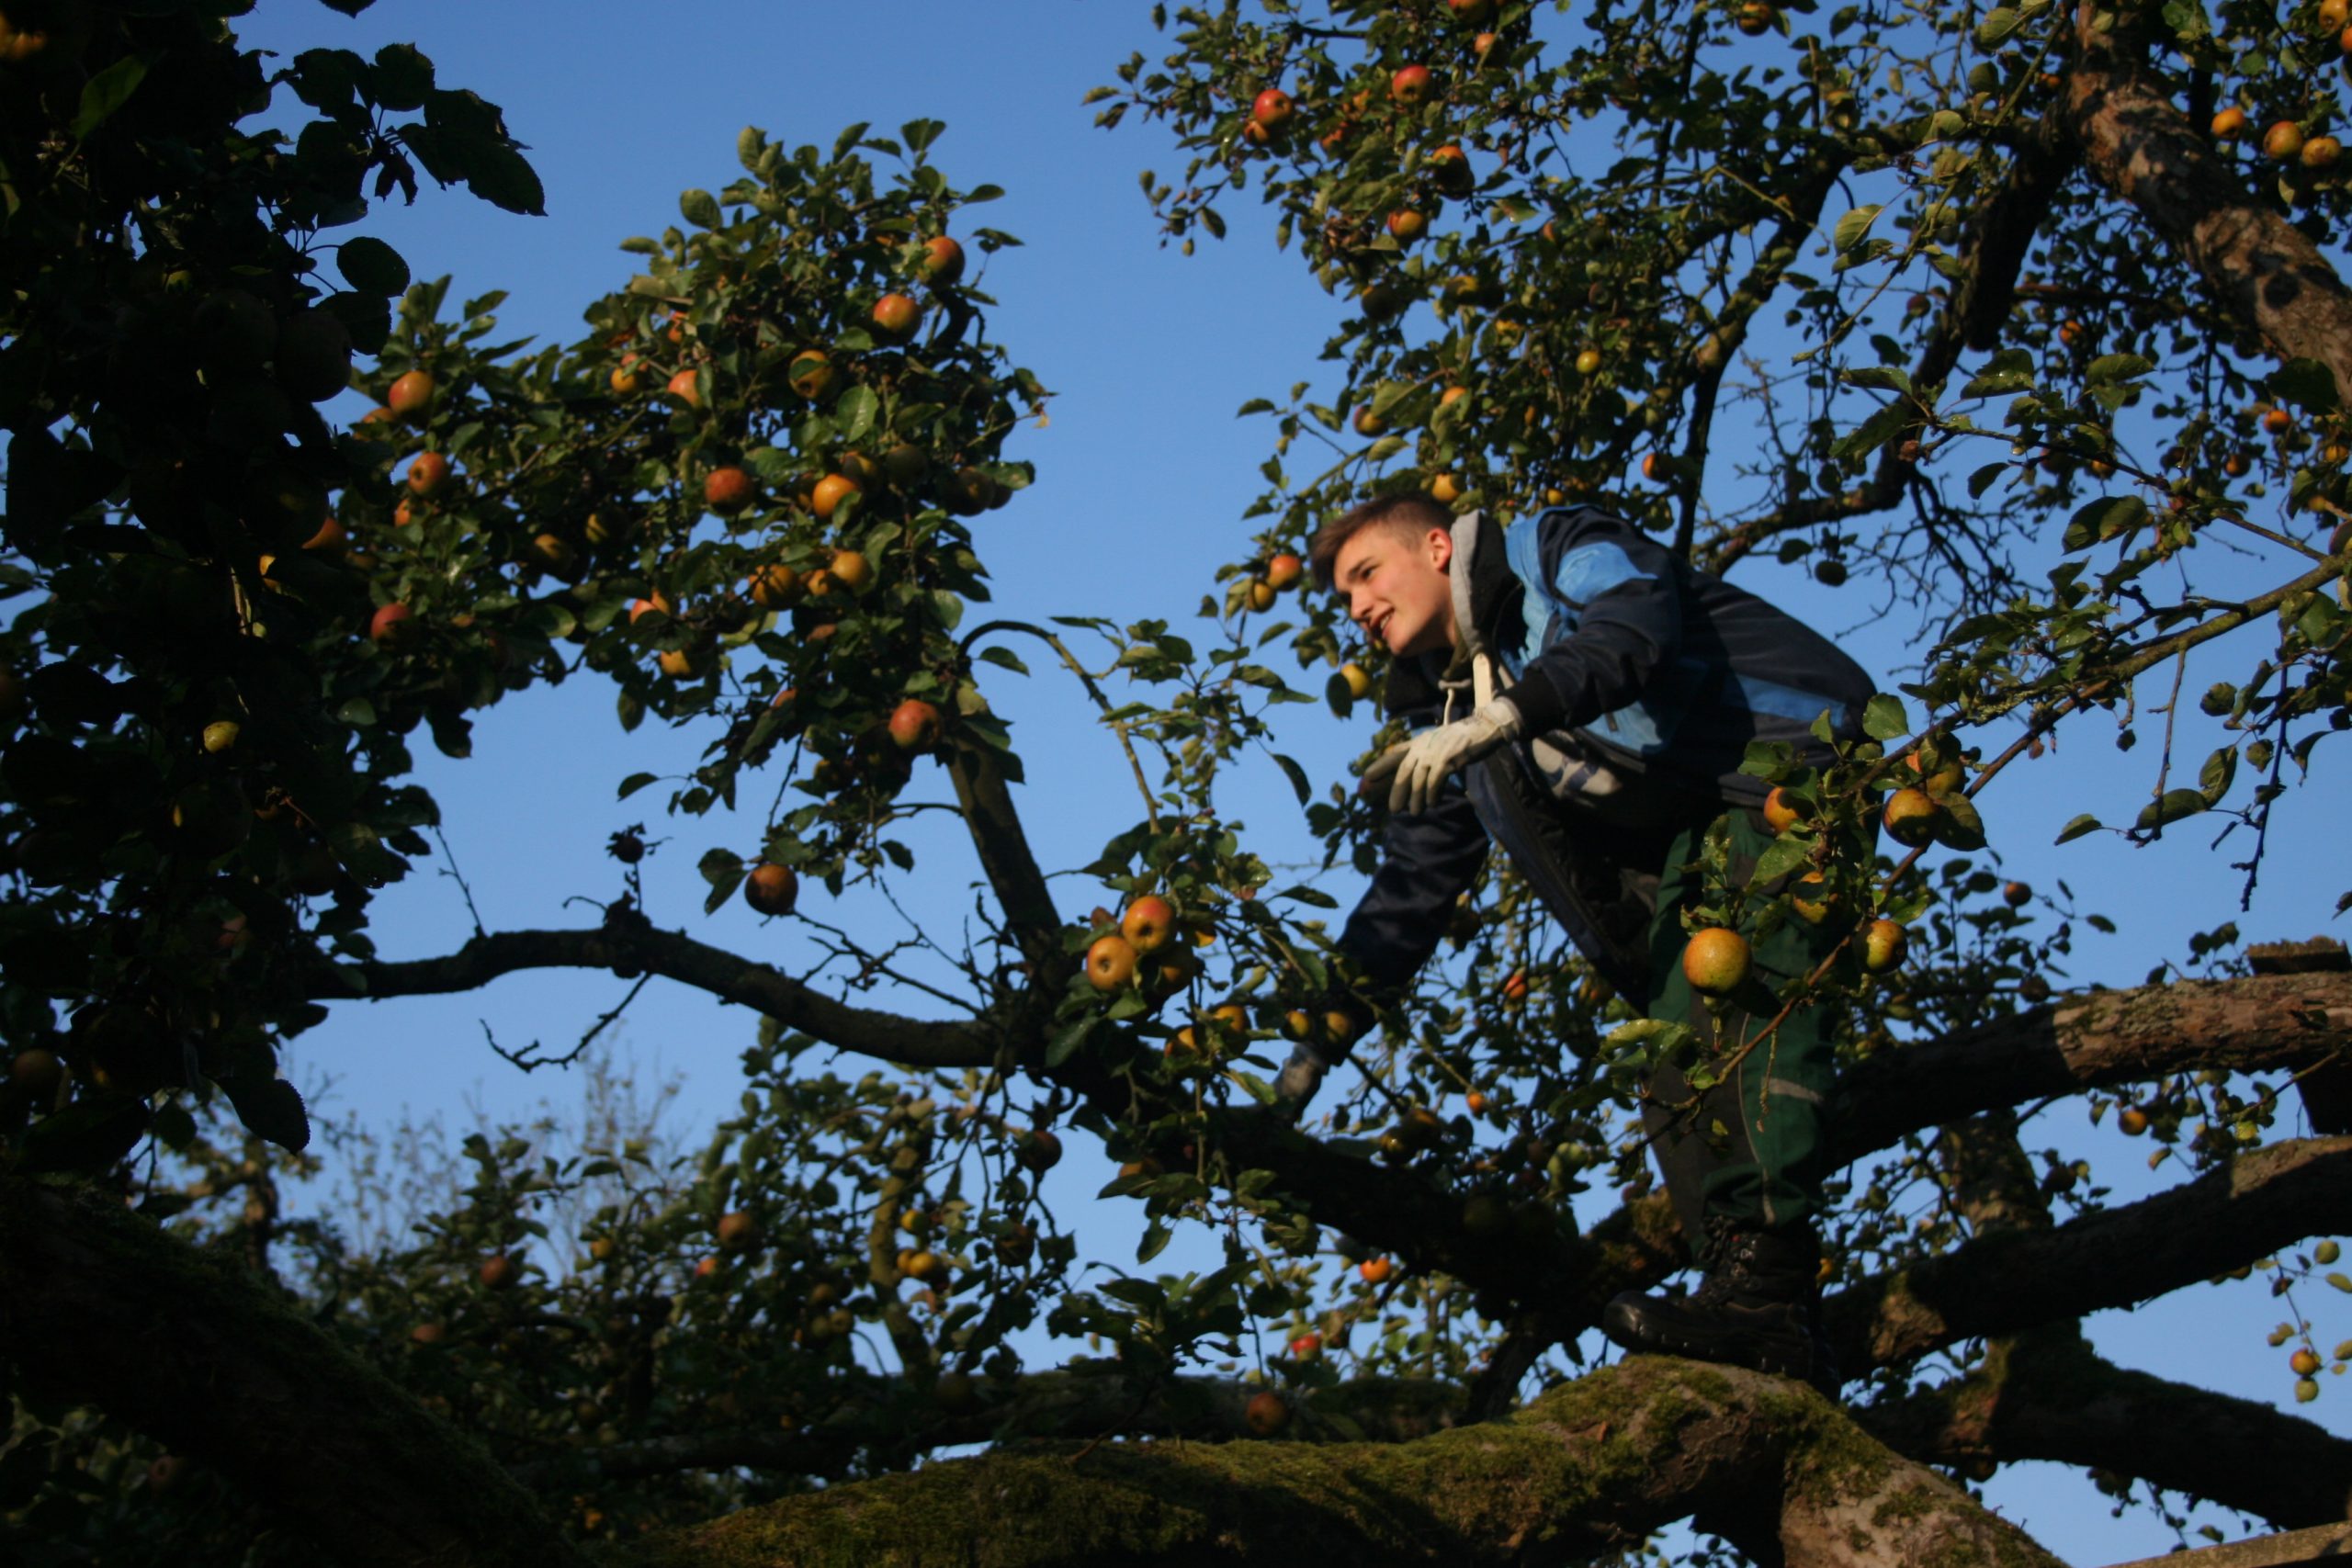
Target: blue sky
{"points": [[1142, 477]]}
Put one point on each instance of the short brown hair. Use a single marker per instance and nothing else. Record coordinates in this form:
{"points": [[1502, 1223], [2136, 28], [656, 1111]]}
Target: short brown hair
{"points": [[1405, 513]]}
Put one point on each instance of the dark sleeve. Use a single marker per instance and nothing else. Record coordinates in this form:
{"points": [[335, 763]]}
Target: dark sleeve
{"points": [[1429, 859], [1618, 591]]}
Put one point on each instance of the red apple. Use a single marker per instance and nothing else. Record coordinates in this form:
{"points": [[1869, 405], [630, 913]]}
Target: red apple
{"points": [[394, 625], [914, 724], [942, 262], [771, 889], [727, 490], [428, 474]]}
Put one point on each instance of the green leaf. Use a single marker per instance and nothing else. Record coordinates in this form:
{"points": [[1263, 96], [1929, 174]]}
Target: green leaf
{"points": [[2171, 806], [1297, 777], [2086, 823], [1882, 377], [363, 856], [325, 78], [2117, 367], [107, 90], [699, 207], [1005, 657], [1883, 718], [1854, 225], [2106, 518], [1958, 826], [1998, 24], [634, 783], [2214, 779], [271, 1109], [88, 1136], [856, 412], [1981, 479], [1874, 432], [2187, 21], [369, 264], [2308, 384], [1066, 1040], [1259, 1088], [402, 79], [1156, 1237], [1781, 857], [2011, 371], [504, 178]]}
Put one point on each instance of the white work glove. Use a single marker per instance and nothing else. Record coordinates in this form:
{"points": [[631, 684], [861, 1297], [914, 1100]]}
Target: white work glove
{"points": [[1420, 766], [1300, 1077]]}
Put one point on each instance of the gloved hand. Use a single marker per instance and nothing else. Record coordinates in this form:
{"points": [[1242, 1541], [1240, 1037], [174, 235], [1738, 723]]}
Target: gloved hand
{"points": [[1296, 1083], [1420, 766]]}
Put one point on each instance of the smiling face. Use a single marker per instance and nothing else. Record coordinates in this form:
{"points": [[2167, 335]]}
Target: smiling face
{"points": [[1394, 577]]}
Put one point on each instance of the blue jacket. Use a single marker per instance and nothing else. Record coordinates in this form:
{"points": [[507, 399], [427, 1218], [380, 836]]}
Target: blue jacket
{"points": [[1625, 659]]}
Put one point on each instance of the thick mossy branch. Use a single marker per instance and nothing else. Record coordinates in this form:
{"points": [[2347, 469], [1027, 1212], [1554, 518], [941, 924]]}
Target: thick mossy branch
{"points": [[1594, 1465], [101, 1308], [1080, 1404]]}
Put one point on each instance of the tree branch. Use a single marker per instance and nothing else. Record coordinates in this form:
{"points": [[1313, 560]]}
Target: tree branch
{"points": [[2008, 1281], [1006, 861], [1590, 1467], [2084, 1042], [100, 1308], [2269, 279], [2051, 1396], [1973, 317], [1079, 1404], [2092, 1041], [632, 943]]}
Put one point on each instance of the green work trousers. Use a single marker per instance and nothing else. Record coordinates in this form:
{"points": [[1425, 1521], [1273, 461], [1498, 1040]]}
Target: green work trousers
{"points": [[1750, 1148]]}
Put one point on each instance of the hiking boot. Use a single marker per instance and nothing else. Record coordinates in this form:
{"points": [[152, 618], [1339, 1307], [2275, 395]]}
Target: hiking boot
{"points": [[1759, 1307]]}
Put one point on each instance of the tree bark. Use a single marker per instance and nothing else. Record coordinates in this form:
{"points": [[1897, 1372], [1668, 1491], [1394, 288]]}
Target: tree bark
{"points": [[1591, 1467], [2267, 277], [2093, 1040], [631, 942], [2050, 1397], [1081, 1402], [2008, 1281], [102, 1308]]}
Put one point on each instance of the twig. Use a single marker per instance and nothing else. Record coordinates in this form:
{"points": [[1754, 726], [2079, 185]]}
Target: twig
{"points": [[480, 930], [531, 1064], [1118, 727]]}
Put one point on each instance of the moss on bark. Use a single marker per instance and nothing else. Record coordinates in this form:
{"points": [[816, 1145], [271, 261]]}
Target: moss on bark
{"points": [[1598, 1463]]}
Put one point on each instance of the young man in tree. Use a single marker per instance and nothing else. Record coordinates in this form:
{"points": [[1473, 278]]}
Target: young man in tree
{"points": [[1582, 699]]}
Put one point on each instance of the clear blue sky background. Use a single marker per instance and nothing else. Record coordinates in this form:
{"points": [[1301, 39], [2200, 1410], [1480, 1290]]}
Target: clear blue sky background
{"points": [[1142, 478]]}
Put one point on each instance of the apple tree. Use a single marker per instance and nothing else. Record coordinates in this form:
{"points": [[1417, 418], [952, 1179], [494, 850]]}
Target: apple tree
{"points": [[2063, 350]]}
